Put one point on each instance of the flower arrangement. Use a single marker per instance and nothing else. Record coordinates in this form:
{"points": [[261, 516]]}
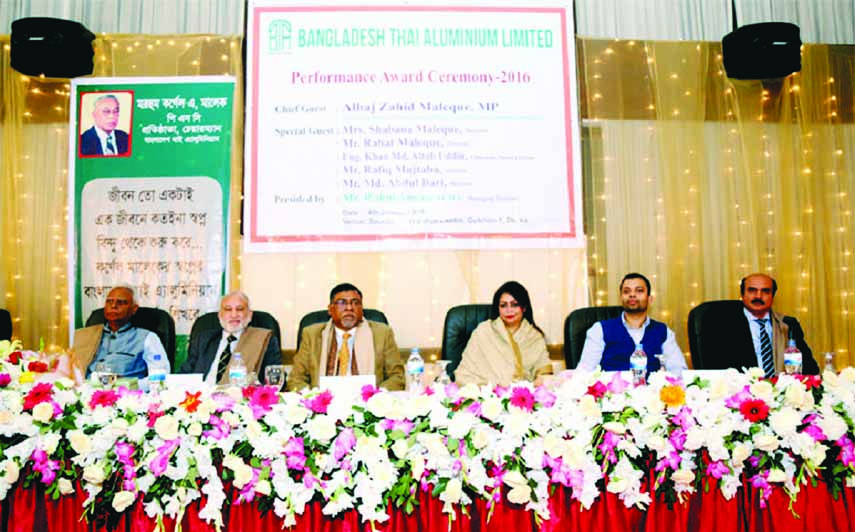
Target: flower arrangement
{"points": [[591, 433]]}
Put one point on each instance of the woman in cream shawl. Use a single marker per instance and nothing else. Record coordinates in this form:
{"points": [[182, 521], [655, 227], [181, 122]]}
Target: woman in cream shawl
{"points": [[507, 348]]}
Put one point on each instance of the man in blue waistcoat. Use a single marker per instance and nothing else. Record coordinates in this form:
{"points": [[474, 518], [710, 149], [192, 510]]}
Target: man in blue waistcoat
{"points": [[609, 343]]}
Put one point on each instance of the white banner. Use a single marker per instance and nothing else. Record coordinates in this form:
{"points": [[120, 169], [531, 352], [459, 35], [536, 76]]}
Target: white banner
{"points": [[411, 126]]}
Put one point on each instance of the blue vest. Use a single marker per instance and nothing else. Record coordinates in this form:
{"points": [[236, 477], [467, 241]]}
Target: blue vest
{"points": [[619, 344]]}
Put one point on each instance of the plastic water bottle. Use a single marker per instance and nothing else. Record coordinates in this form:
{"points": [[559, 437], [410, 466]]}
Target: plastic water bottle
{"points": [[792, 358], [829, 363], [638, 366], [237, 370], [415, 371], [157, 371]]}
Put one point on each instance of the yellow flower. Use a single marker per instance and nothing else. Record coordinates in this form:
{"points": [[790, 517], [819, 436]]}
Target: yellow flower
{"points": [[672, 395], [27, 376]]}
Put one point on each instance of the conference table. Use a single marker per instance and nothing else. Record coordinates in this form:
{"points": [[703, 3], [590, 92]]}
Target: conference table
{"points": [[630, 484]]}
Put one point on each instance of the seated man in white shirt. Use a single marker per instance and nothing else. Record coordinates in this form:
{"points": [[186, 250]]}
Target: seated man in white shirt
{"points": [[211, 351], [609, 343]]}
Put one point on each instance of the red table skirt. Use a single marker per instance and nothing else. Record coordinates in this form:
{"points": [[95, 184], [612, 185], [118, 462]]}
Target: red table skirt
{"points": [[28, 510]]}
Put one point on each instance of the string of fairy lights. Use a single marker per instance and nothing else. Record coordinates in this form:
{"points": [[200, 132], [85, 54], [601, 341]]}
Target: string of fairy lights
{"points": [[756, 228]]}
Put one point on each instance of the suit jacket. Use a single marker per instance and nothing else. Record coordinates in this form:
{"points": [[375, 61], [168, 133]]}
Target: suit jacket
{"points": [[90, 144], [253, 343], [733, 347], [388, 366]]}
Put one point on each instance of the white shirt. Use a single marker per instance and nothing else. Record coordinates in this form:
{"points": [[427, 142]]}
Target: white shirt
{"points": [[212, 373], [339, 338], [592, 352], [755, 334], [102, 137]]}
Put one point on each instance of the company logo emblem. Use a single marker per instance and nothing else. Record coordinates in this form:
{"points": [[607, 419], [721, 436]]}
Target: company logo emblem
{"points": [[279, 37]]}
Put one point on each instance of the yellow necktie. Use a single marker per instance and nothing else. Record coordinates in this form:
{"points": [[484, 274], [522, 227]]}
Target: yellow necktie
{"points": [[344, 356]]}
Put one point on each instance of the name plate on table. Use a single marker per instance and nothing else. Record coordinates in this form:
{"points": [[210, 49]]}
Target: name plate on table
{"points": [[185, 381], [349, 384]]}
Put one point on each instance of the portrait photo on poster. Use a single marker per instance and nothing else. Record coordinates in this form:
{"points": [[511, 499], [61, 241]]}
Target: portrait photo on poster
{"points": [[105, 124]]}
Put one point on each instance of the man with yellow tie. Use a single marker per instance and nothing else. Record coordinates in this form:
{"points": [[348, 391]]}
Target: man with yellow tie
{"points": [[347, 344]]}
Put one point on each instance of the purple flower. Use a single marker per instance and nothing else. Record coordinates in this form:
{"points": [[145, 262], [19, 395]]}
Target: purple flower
{"points": [[474, 408], [295, 454], [343, 443], [815, 432], [124, 452], [671, 461], [219, 428], [736, 400], [404, 425], [5, 379], [678, 439], [247, 492], [617, 384], [847, 451], [754, 460], [160, 462], [717, 469], [544, 397], [610, 441], [47, 468], [684, 418], [224, 402]]}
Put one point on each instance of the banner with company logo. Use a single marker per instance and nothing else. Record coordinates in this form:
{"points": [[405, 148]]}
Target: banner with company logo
{"points": [[399, 125], [149, 175]]}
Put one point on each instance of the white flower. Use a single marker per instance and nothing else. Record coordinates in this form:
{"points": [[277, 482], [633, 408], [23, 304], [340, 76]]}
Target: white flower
{"points": [[322, 428], [295, 413], [380, 404], [470, 391], [263, 487], [784, 421], [11, 470], [138, 430], [93, 473], [741, 452], [847, 375], [520, 494], [480, 438], [460, 424], [122, 500], [492, 408], [589, 407], [776, 475], [683, 476], [5, 417], [195, 429], [65, 486], [614, 426], [766, 442], [517, 423], [400, 448], [832, 425], [453, 491], [231, 418], [119, 427], [166, 427], [43, 412], [762, 390], [797, 397]]}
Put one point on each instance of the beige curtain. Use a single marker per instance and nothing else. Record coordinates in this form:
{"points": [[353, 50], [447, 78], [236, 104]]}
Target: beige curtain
{"points": [[698, 180], [34, 168]]}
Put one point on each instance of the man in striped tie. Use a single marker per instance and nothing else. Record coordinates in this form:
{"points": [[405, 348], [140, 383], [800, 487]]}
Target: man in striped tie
{"points": [[104, 139], [770, 330]]}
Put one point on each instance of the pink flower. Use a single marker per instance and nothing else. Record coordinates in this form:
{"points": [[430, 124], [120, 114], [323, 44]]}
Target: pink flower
{"points": [[736, 400], [597, 390], [103, 398], [262, 400], [618, 384], [5, 379], [219, 428], [47, 468], [40, 393], [319, 403], [544, 397], [295, 453], [522, 398], [717, 469], [343, 443], [369, 391]]}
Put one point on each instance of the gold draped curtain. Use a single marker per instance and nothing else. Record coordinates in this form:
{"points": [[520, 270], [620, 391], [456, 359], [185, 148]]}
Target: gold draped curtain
{"points": [[689, 177]]}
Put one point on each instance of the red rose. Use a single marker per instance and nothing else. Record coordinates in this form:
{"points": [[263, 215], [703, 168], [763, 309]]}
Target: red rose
{"points": [[754, 410], [598, 389], [15, 357], [37, 366]]}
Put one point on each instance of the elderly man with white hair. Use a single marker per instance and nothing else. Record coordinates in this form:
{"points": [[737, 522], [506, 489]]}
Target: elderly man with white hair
{"points": [[211, 351]]}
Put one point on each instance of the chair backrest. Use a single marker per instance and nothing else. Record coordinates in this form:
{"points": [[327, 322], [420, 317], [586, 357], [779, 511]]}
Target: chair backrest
{"points": [[703, 324], [460, 321], [576, 326], [5, 325], [152, 319], [260, 319], [320, 316]]}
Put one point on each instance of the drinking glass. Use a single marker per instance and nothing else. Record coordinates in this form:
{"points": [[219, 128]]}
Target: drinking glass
{"points": [[442, 378], [105, 375], [275, 375]]}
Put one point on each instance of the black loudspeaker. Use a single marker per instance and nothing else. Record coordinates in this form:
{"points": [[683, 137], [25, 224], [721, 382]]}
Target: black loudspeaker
{"points": [[767, 50], [54, 47]]}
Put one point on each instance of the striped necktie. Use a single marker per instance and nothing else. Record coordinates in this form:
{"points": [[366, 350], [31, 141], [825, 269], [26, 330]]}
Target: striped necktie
{"points": [[225, 358], [111, 149], [766, 350]]}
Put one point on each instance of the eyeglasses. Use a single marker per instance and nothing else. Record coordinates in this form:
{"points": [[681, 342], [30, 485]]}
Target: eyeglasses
{"points": [[342, 304]]}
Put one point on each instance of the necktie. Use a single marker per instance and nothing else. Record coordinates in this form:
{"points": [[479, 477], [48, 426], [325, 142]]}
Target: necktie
{"points": [[225, 358], [111, 149], [766, 350], [344, 356]]}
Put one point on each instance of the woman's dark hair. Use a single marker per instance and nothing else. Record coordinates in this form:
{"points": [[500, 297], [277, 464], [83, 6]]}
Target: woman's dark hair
{"points": [[518, 292]]}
